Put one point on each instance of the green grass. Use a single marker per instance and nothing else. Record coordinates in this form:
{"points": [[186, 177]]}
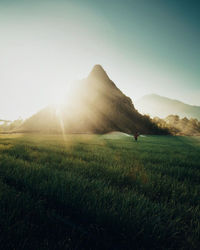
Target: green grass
{"points": [[99, 192]]}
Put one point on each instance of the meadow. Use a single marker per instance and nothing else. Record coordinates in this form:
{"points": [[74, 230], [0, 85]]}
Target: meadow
{"points": [[99, 192]]}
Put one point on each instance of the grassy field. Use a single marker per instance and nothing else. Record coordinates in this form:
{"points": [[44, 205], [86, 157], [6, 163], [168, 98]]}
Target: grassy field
{"points": [[99, 192]]}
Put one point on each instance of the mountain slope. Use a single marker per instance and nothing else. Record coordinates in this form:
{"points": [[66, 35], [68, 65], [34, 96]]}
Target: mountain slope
{"points": [[161, 106], [95, 105]]}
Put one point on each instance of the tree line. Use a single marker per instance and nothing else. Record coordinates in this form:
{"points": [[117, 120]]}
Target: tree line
{"points": [[179, 126], [172, 123], [9, 126]]}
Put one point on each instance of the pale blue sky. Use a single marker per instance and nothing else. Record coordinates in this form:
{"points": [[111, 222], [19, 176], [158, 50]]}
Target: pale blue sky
{"points": [[146, 46]]}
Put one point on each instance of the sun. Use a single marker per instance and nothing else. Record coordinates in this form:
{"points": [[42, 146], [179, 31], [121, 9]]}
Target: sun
{"points": [[58, 97]]}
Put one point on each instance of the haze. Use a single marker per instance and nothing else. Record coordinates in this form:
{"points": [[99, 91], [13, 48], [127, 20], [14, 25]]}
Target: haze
{"points": [[145, 47]]}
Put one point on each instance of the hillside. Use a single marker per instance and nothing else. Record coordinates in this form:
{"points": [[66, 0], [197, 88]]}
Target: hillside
{"points": [[161, 106], [95, 105]]}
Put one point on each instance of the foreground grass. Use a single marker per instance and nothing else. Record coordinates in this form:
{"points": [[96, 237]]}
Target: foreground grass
{"points": [[99, 192]]}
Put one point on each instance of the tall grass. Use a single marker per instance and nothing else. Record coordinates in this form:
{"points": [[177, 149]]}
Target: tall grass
{"points": [[95, 192]]}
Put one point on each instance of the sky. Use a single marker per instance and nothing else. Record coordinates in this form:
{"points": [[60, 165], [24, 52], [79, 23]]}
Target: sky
{"points": [[145, 46]]}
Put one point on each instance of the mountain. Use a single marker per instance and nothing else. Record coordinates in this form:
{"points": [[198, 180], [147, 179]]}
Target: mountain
{"points": [[1, 120], [161, 106], [95, 105]]}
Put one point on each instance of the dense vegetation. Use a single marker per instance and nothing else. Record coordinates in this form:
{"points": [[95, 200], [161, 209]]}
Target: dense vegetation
{"points": [[8, 126], [178, 126], [99, 192]]}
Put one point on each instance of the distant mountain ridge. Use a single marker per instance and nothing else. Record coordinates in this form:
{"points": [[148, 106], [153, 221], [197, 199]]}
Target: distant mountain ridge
{"points": [[1, 120], [95, 105], [161, 106]]}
